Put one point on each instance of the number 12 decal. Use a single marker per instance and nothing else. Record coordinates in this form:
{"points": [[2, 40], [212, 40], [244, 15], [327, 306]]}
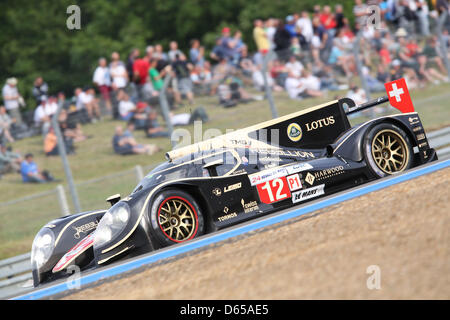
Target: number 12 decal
{"points": [[274, 190]]}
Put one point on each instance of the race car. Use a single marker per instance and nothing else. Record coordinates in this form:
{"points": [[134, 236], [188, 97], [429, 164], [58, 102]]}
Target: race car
{"points": [[242, 175]]}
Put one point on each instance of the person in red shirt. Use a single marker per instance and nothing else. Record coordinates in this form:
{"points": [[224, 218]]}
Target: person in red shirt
{"points": [[412, 49], [327, 18], [140, 73], [385, 55]]}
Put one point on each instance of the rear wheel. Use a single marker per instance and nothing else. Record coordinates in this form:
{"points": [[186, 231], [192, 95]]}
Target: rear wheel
{"points": [[387, 150], [176, 217]]}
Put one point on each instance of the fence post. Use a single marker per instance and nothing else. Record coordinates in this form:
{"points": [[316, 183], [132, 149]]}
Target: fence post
{"points": [[356, 47], [65, 161], [165, 107], [62, 200], [139, 173], [266, 60], [442, 43]]}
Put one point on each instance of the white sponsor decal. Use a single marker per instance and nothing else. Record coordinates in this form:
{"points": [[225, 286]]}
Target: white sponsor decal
{"points": [[320, 123], [310, 178], [233, 187], [294, 182], [267, 175], [305, 194], [298, 167], [250, 206]]}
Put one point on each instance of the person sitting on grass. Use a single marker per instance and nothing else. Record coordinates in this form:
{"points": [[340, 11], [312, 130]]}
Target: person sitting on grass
{"points": [[9, 160], [51, 144], [126, 144], [70, 127], [153, 128], [31, 173], [126, 107]]}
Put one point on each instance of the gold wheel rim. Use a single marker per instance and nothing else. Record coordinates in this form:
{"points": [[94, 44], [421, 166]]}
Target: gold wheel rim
{"points": [[389, 151], [177, 220]]}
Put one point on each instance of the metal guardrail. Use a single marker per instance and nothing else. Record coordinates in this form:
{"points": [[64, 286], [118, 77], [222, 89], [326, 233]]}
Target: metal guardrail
{"points": [[440, 140], [15, 272]]}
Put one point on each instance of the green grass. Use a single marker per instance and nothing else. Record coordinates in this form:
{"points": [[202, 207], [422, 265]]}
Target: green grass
{"points": [[95, 158]]}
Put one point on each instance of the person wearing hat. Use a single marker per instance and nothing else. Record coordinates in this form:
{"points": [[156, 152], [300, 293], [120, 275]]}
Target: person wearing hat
{"points": [[12, 99], [401, 32], [140, 115], [290, 26]]}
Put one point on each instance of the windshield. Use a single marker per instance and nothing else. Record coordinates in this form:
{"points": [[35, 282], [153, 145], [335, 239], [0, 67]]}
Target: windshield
{"points": [[165, 172]]}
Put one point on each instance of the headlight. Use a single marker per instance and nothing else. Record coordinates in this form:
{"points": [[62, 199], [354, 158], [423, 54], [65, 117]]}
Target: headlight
{"points": [[43, 246], [112, 223]]}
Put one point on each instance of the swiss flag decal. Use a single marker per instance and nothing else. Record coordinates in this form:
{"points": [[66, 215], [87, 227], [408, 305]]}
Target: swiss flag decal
{"points": [[398, 95]]}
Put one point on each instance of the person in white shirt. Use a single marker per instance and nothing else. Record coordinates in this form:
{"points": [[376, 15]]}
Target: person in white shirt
{"points": [[295, 66], [270, 31], [357, 94], [12, 98], [305, 87], [43, 114], [102, 79], [86, 100], [118, 72], [126, 107], [174, 51], [305, 25]]}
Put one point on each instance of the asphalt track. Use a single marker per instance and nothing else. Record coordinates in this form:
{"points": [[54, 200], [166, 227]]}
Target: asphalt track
{"points": [[136, 265]]}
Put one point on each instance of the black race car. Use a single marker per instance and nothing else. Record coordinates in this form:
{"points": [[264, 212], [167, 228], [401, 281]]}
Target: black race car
{"points": [[233, 178]]}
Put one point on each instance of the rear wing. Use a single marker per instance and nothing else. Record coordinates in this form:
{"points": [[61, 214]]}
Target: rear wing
{"points": [[397, 95], [367, 105]]}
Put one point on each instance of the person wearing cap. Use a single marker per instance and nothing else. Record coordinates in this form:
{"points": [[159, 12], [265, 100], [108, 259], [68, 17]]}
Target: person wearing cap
{"points": [[290, 26], [12, 99], [227, 44], [396, 71], [140, 115], [260, 36]]}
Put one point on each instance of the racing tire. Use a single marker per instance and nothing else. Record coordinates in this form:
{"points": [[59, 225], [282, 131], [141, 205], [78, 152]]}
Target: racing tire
{"points": [[387, 150], [175, 217]]}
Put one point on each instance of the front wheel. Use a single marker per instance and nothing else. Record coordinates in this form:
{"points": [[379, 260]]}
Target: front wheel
{"points": [[175, 217], [387, 150]]}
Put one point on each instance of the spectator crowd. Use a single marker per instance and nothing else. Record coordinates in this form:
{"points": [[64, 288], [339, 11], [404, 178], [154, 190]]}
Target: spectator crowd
{"points": [[314, 53]]}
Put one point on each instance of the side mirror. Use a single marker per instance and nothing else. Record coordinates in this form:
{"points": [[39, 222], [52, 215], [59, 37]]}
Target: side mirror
{"points": [[113, 199]]}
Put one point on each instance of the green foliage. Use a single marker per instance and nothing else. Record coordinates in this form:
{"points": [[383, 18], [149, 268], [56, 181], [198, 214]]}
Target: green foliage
{"points": [[34, 39]]}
